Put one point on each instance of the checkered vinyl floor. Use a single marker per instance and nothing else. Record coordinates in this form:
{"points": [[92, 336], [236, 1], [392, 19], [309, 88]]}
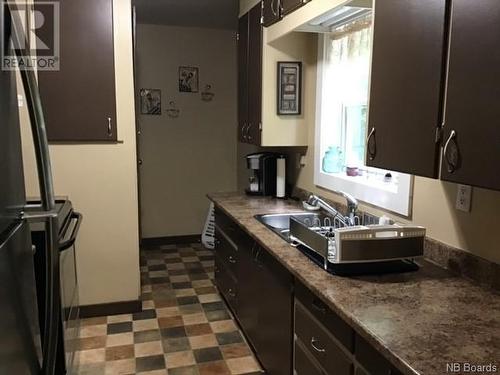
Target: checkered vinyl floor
{"points": [[185, 327]]}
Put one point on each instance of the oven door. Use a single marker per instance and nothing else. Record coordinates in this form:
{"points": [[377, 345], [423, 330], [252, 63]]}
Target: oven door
{"points": [[69, 289]]}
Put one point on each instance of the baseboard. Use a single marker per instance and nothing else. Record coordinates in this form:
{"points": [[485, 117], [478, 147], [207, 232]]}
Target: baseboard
{"points": [[170, 240], [113, 308]]}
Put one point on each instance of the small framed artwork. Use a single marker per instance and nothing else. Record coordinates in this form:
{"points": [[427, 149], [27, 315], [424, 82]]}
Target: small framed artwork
{"points": [[188, 79], [150, 101], [289, 87]]}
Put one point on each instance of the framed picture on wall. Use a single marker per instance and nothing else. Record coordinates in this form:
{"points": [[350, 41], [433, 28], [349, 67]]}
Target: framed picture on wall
{"points": [[188, 79], [289, 88], [150, 101]]}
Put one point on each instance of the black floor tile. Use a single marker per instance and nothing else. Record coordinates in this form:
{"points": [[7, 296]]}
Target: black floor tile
{"points": [[155, 362], [212, 306], [173, 333], [207, 354], [182, 285], [144, 314], [115, 328], [229, 338], [187, 300], [176, 345]]}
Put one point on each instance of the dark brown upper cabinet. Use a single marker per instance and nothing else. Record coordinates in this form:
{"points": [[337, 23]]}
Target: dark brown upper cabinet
{"points": [[274, 10], [250, 77], [288, 6], [471, 131], [406, 85], [79, 100], [271, 12], [242, 77]]}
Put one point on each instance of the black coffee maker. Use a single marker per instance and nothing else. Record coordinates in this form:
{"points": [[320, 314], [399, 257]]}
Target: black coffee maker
{"points": [[263, 173]]}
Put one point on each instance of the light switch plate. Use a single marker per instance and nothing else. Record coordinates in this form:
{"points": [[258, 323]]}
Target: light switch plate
{"points": [[464, 196]]}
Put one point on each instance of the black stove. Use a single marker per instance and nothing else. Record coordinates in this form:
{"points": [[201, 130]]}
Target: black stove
{"points": [[69, 224]]}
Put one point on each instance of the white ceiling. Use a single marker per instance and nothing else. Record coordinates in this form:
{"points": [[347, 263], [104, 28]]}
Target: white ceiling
{"points": [[219, 14]]}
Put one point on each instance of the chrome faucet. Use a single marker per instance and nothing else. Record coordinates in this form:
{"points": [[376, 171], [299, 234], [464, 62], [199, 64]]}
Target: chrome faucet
{"points": [[352, 206]]}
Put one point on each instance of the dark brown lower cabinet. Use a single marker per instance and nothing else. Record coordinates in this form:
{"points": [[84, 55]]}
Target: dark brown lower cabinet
{"points": [[321, 344], [291, 330], [258, 289], [273, 340], [305, 364], [327, 344], [226, 283]]}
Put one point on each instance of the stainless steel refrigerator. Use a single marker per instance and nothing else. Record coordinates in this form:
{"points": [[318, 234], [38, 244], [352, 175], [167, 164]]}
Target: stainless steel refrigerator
{"points": [[27, 346]]}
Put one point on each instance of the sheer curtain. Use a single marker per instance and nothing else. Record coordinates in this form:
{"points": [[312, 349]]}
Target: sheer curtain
{"points": [[345, 91]]}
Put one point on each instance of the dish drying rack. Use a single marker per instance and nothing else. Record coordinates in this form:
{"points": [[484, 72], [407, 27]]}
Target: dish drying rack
{"points": [[342, 240]]}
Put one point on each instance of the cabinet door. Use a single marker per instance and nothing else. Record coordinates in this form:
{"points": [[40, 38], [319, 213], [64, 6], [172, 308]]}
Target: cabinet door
{"points": [[472, 112], [249, 293], [406, 85], [79, 100], [288, 6], [226, 283], [242, 77], [254, 77], [274, 340], [270, 12]]}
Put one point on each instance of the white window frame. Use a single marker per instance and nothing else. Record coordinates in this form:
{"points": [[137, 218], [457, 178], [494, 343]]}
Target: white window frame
{"points": [[399, 202]]}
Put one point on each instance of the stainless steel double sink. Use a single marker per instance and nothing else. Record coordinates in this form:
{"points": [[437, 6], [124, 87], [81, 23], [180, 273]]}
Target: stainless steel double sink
{"points": [[280, 223]]}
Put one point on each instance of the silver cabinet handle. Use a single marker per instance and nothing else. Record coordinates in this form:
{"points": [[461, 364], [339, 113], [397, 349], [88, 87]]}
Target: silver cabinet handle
{"points": [[313, 344], [110, 131], [451, 165], [371, 154], [275, 12], [232, 260], [231, 293], [243, 127], [249, 137]]}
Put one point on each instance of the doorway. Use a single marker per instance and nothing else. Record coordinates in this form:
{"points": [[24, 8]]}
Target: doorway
{"points": [[186, 90]]}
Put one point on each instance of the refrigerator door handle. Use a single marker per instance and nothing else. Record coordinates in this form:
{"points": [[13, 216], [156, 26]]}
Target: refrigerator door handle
{"points": [[39, 131]]}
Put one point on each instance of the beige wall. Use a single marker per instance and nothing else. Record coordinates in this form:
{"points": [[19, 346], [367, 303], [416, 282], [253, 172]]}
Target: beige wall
{"points": [[101, 181], [184, 158], [287, 130]]}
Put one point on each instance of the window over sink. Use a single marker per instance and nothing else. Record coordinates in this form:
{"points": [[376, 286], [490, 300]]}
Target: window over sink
{"points": [[344, 61]]}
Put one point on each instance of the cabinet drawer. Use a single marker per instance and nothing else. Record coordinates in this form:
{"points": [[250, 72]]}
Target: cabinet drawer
{"points": [[228, 225], [226, 249], [226, 283], [320, 343], [335, 324], [303, 362], [371, 360]]}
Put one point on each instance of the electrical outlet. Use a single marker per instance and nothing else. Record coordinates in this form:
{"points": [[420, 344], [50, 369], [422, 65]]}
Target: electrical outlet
{"points": [[464, 196]]}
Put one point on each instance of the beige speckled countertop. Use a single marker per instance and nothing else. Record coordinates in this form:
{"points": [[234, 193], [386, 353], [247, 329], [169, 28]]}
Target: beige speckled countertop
{"points": [[419, 320]]}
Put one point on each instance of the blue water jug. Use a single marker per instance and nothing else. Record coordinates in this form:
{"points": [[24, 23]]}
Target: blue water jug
{"points": [[333, 160]]}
